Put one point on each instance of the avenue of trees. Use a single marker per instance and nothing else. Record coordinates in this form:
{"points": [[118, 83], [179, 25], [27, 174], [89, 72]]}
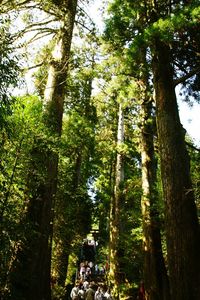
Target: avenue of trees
{"points": [[97, 142]]}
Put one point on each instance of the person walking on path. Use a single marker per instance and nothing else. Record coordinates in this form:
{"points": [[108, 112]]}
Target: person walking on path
{"points": [[81, 292], [74, 292], [89, 295], [98, 293]]}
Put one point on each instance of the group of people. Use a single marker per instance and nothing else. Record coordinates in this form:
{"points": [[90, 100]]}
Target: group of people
{"points": [[87, 273], [87, 270], [90, 291]]}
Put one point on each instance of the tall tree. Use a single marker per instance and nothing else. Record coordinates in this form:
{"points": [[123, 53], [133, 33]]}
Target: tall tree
{"points": [[115, 209], [183, 238], [181, 215], [155, 273], [182, 227], [79, 130], [34, 255]]}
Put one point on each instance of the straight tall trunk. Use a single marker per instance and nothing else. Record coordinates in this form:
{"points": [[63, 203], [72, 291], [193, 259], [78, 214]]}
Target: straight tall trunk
{"points": [[63, 248], [115, 210], [182, 227], [63, 244], [30, 278], [155, 273]]}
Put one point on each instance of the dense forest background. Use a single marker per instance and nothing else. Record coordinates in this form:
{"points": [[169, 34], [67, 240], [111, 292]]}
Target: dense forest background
{"points": [[96, 143]]}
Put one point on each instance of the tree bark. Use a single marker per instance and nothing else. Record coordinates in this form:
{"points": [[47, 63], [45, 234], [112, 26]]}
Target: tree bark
{"points": [[183, 238], [115, 209], [62, 257], [155, 273], [63, 243]]}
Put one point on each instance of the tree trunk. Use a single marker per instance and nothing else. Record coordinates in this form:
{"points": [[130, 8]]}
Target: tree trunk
{"points": [[116, 201], [62, 258], [31, 272], [63, 244], [183, 238], [155, 273]]}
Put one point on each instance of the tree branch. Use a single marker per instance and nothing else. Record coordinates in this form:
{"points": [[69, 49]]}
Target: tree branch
{"points": [[39, 31], [36, 26], [38, 36], [84, 26], [192, 146], [33, 67], [86, 14], [186, 76]]}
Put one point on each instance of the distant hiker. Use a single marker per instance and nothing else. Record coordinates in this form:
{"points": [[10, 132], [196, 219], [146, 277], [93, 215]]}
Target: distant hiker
{"points": [[89, 295], [74, 292], [96, 269], [85, 285], [82, 271], [88, 272], [90, 264], [81, 292], [98, 294]]}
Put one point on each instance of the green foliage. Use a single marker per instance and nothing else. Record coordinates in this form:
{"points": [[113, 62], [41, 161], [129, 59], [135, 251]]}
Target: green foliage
{"points": [[137, 25], [9, 70], [23, 123], [181, 19]]}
